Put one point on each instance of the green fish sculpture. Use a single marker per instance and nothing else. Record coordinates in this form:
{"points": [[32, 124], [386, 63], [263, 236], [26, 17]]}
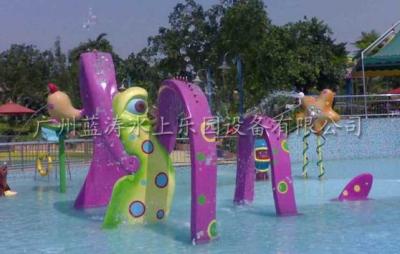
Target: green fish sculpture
{"points": [[146, 195]]}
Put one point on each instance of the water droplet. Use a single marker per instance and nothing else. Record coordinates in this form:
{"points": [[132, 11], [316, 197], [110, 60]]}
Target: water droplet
{"points": [[191, 28], [189, 68], [90, 20], [183, 51]]}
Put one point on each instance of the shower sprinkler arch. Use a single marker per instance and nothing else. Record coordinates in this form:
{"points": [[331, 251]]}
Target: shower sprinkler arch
{"points": [[178, 96], [281, 176]]}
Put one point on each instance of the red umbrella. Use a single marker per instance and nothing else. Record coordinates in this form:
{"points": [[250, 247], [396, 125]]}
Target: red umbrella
{"points": [[394, 91], [11, 108]]}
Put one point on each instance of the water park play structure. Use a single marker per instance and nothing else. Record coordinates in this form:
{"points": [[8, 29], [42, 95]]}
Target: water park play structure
{"points": [[316, 114], [132, 172], [132, 176], [44, 162], [147, 195]]}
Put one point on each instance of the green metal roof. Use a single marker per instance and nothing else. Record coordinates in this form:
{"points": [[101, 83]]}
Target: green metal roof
{"points": [[390, 49], [387, 58]]}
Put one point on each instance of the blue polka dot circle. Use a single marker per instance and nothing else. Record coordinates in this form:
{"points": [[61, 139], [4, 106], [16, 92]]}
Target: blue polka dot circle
{"points": [[160, 214], [147, 147], [161, 180], [137, 209]]}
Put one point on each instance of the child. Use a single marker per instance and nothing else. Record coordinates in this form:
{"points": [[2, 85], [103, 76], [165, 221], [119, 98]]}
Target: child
{"points": [[4, 188]]}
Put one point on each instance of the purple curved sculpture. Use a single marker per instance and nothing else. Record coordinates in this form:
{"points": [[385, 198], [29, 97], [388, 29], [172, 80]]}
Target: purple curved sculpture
{"points": [[357, 189], [281, 176], [109, 162], [174, 98]]}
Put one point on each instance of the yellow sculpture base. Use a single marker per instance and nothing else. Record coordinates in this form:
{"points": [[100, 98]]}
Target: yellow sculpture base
{"points": [[10, 193]]}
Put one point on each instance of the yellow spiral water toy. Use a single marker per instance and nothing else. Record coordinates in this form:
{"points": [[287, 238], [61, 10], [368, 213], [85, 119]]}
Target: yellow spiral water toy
{"points": [[44, 171]]}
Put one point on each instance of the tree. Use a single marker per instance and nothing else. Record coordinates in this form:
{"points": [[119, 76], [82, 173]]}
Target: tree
{"points": [[314, 60], [59, 72], [198, 39], [24, 71], [189, 40], [301, 54], [366, 39], [187, 45], [244, 27], [141, 73]]}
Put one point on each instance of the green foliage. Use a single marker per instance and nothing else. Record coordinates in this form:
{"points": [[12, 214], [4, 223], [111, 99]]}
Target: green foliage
{"points": [[244, 27], [24, 69], [366, 39], [190, 38], [299, 55], [139, 72], [18, 128], [314, 59], [25, 72]]}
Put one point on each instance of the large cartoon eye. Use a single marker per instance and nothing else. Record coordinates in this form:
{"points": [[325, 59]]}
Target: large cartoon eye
{"points": [[137, 106]]}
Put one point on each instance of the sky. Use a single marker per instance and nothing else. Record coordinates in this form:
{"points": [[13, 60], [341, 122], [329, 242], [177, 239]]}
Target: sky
{"points": [[129, 23]]}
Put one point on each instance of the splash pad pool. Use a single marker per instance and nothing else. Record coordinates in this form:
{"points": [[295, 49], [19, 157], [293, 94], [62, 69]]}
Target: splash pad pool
{"points": [[43, 221], [115, 160]]}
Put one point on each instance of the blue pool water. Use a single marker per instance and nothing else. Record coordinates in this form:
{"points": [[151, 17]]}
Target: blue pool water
{"points": [[41, 220]]}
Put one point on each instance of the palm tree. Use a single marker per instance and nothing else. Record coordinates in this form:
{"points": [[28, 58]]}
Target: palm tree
{"points": [[364, 41]]}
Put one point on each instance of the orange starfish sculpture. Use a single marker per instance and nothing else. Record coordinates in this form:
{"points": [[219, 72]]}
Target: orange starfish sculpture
{"points": [[318, 111]]}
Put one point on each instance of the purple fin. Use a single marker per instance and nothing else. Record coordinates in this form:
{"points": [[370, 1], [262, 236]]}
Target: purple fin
{"points": [[357, 189]]}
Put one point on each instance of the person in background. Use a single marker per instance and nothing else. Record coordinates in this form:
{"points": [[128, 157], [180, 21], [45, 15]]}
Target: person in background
{"points": [[4, 187]]}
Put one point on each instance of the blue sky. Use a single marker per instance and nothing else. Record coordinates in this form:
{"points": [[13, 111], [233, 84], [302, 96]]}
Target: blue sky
{"points": [[129, 22]]}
